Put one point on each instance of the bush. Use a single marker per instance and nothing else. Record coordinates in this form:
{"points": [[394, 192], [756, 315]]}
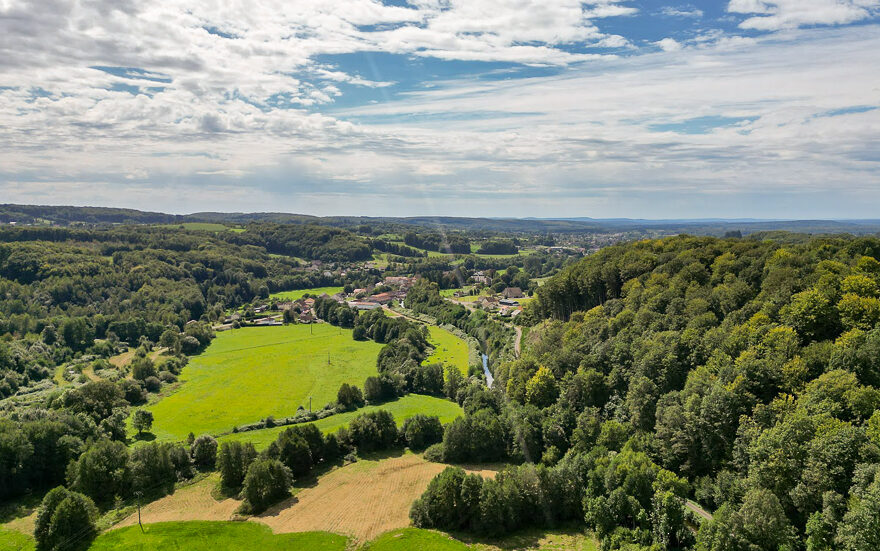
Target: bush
{"points": [[375, 430], [204, 451], [152, 384], [421, 431], [65, 520], [266, 482], [436, 453], [233, 461]]}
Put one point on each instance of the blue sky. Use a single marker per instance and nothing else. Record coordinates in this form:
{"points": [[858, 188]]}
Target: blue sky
{"points": [[606, 108]]}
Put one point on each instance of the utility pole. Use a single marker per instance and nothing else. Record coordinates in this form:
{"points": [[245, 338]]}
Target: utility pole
{"points": [[138, 494], [310, 404]]}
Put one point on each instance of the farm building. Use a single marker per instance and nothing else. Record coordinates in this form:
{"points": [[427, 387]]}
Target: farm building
{"points": [[512, 292]]}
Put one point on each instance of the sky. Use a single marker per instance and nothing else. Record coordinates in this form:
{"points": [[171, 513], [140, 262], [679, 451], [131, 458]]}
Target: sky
{"points": [[544, 108]]}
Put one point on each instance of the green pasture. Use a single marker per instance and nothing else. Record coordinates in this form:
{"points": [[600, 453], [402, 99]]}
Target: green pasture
{"points": [[248, 374], [403, 408], [214, 536], [448, 349], [13, 540], [299, 293], [407, 539]]}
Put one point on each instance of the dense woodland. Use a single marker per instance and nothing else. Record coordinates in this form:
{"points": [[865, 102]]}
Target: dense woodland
{"points": [[742, 374]]}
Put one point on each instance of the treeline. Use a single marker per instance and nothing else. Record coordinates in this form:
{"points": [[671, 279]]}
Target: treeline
{"points": [[498, 246], [305, 241], [447, 243], [396, 248], [399, 362], [746, 369]]}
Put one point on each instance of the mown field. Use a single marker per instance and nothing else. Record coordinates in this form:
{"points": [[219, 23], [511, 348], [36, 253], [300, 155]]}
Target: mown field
{"points": [[448, 349], [403, 408], [213, 536], [299, 293], [250, 373]]}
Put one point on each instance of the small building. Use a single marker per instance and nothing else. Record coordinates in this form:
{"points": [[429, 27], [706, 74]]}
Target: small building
{"points": [[363, 305], [381, 298], [512, 292], [306, 317], [508, 302]]}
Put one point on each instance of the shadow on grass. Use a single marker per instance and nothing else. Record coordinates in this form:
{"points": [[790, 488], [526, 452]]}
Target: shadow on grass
{"points": [[145, 437], [19, 507], [531, 538]]}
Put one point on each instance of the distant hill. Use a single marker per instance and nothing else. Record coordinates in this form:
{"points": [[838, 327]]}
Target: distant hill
{"points": [[67, 215]]}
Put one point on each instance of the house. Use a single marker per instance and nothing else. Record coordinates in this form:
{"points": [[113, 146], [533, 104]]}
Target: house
{"points": [[309, 302], [512, 292], [480, 277], [306, 317], [508, 302], [285, 305], [488, 303], [381, 298]]}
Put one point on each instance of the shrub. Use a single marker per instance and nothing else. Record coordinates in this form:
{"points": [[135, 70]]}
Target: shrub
{"points": [[420, 431], [266, 482], [65, 520]]}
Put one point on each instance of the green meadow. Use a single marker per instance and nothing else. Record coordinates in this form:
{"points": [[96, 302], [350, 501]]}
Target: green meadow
{"points": [[403, 408], [214, 536], [299, 293], [248, 374], [407, 539], [448, 349]]}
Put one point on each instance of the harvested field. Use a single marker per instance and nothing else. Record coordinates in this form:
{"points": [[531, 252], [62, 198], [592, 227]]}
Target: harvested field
{"points": [[361, 500], [190, 503]]}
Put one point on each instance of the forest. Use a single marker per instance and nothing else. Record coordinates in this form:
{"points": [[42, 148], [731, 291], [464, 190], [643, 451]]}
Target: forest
{"points": [[738, 374]]}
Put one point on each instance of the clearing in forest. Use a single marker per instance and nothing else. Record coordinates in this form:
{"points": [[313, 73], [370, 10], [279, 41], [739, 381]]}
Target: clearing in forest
{"points": [[361, 500], [448, 349], [250, 373]]}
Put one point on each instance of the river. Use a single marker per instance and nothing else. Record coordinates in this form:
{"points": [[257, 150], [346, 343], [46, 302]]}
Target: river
{"points": [[489, 378]]}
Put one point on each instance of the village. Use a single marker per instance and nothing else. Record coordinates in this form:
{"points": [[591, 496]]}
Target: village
{"points": [[387, 293]]}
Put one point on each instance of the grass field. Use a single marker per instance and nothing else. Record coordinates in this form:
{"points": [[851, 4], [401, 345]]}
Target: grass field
{"points": [[402, 409], [448, 349], [213, 536], [250, 373], [361, 500], [407, 539], [13, 540], [315, 291]]}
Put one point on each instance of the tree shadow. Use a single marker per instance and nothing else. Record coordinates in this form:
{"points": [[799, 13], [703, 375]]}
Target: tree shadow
{"points": [[528, 538], [379, 455], [145, 437], [19, 507]]}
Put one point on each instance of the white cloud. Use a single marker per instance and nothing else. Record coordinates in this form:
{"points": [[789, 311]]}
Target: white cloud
{"points": [[211, 132], [669, 45], [773, 15], [682, 11]]}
